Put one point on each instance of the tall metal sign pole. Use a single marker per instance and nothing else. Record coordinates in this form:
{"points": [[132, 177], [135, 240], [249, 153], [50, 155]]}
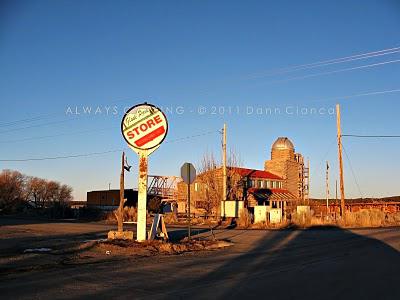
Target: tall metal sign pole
{"points": [[339, 139], [144, 127], [188, 174]]}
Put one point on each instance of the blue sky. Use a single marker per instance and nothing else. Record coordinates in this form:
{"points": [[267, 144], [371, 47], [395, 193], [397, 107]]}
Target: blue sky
{"points": [[194, 55]]}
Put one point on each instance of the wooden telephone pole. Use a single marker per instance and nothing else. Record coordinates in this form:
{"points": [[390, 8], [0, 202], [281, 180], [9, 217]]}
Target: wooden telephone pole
{"points": [[339, 140], [327, 188], [224, 173], [120, 213]]}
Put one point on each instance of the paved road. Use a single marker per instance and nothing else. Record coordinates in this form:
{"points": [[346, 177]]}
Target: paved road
{"points": [[324, 263]]}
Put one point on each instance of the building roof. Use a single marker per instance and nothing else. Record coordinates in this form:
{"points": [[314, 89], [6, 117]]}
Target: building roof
{"points": [[271, 194], [283, 143], [251, 173]]}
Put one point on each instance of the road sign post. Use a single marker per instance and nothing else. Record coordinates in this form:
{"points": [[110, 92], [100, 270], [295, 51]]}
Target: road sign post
{"points": [[144, 127], [188, 174]]}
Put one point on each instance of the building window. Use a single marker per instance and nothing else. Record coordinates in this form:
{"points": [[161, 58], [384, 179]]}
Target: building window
{"points": [[196, 186]]}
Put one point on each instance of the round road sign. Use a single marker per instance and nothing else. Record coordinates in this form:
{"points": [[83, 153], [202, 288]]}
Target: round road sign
{"points": [[144, 126]]}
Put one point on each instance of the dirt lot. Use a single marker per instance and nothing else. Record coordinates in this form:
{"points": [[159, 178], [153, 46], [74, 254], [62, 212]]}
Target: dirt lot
{"points": [[286, 264]]}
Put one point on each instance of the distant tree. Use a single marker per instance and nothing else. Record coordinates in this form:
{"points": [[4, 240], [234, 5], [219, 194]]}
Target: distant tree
{"points": [[44, 193], [37, 191], [17, 188], [52, 192], [65, 193], [12, 189]]}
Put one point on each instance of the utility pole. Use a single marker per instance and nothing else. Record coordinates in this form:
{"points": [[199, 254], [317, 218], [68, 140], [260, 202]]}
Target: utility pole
{"points": [[339, 140], [120, 214], [224, 175], [308, 182], [188, 207], [327, 189], [336, 191]]}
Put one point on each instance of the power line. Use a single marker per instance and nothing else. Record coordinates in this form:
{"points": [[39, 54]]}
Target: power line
{"points": [[32, 119], [352, 171], [331, 62], [276, 71], [62, 157], [335, 71], [371, 136], [96, 153], [52, 115], [358, 95], [38, 125], [192, 136], [56, 135]]}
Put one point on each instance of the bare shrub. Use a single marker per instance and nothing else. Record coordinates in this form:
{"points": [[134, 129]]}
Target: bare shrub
{"points": [[392, 219], [109, 217], [244, 219], [170, 218], [302, 220], [154, 205], [364, 218], [130, 215]]}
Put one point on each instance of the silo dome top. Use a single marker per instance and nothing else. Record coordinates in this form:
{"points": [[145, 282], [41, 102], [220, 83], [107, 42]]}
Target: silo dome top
{"points": [[282, 143]]}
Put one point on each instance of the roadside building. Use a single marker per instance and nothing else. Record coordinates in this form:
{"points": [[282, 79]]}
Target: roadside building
{"points": [[278, 188], [109, 199], [290, 166], [246, 189]]}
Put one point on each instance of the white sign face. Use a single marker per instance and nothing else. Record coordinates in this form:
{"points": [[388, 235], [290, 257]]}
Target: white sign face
{"points": [[144, 126]]}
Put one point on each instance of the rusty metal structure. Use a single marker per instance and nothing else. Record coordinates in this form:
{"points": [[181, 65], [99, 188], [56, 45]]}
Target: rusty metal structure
{"points": [[164, 187]]}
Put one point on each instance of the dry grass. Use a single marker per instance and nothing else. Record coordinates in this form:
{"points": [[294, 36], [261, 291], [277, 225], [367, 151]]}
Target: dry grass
{"points": [[244, 220], [362, 218], [370, 218], [264, 225], [170, 218], [130, 215], [149, 248], [302, 220]]}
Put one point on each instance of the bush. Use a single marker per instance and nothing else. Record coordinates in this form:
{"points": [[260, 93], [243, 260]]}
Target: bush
{"points": [[90, 213], [365, 218], [302, 220], [130, 215], [170, 218], [154, 205], [393, 219], [244, 219]]}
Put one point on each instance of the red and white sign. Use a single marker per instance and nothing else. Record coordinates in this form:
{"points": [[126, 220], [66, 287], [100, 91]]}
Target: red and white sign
{"points": [[144, 126]]}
